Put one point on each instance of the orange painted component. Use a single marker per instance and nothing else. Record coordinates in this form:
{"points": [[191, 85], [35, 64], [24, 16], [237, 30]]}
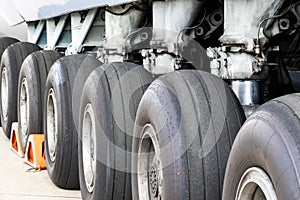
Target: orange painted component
{"points": [[35, 152], [15, 140]]}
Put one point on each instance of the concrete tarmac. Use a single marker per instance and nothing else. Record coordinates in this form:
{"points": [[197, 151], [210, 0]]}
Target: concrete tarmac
{"points": [[18, 182]]}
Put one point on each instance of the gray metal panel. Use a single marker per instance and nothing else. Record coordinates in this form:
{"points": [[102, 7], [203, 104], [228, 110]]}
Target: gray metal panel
{"points": [[18, 31], [32, 10], [9, 13]]}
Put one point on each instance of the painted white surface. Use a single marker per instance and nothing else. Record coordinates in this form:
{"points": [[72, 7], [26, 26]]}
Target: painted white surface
{"points": [[19, 31], [9, 12], [32, 10]]}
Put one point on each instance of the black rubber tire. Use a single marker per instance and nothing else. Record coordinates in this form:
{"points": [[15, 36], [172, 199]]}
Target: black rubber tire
{"points": [[113, 93], [33, 73], [12, 59], [196, 117], [66, 79], [270, 140], [5, 42]]}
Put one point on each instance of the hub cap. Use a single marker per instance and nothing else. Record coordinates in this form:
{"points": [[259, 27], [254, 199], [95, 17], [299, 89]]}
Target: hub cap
{"points": [[255, 184], [150, 177], [153, 180], [4, 93], [24, 108], [52, 133], [89, 147]]}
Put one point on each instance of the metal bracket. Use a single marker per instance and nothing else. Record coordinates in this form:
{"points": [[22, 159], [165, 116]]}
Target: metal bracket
{"points": [[34, 32], [80, 29], [54, 31]]}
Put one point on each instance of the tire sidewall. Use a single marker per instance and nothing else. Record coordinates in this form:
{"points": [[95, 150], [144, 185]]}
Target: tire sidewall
{"points": [[12, 58], [12, 73], [260, 143], [58, 81], [163, 117], [93, 94], [28, 71]]}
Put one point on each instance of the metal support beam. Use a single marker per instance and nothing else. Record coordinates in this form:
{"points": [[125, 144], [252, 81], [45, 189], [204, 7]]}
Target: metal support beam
{"points": [[54, 31], [80, 29], [34, 32]]}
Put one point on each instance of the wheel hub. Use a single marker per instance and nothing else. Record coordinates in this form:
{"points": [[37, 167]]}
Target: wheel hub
{"points": [[150, 174], [4, 93], [255, 184], [89, 148], [153, 180], [52, 132], [92, 150], [24, 108]]}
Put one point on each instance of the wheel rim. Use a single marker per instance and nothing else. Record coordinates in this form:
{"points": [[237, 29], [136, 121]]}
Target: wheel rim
{"points": [[150, 177], [52, 133], [24, 108], [255, 184], [89, 147], [4, 93]]}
